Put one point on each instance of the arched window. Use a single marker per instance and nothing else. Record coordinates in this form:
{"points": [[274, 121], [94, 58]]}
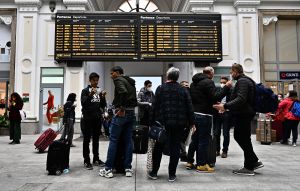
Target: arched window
{"points": [[144, 6]]}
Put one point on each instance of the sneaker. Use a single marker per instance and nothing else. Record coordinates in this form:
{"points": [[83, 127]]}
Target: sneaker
{"points": [[294, 145], [106, 173], [243, 171], [12, 143], [224, 155], [66, 171], [128, 172], [88, 166], [152, 176], [218, 153], [98, 163], [189, 166], [172, 178], [258, 165], [72, 145], [205, 168]]}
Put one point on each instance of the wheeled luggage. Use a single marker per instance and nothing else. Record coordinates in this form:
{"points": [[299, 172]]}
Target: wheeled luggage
{"points": [[277, 125], [58, 157], [140, 139], [265, 131], [45, 140]]}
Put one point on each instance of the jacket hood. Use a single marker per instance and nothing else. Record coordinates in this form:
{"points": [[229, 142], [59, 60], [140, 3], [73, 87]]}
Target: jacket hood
{"points": [[130, 80], [199, 77]]}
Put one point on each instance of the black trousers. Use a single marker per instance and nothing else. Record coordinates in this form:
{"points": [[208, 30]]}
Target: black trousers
{"points": [[290, 125], [172, 147], [242, 135], [91, 129]]}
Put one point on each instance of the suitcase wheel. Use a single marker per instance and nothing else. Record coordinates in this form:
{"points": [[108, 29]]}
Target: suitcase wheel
{"points": [[58, 172]]}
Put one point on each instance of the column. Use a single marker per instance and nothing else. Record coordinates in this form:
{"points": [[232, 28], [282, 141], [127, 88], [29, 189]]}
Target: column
{"points": [[26, 53], [248, 39]]}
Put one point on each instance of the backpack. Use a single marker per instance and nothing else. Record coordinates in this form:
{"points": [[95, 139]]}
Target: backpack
{"points": [[265, 99], [296, 109]]}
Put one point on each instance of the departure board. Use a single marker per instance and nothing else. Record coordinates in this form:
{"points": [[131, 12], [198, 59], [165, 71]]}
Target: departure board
{"points": [[138, 37]]}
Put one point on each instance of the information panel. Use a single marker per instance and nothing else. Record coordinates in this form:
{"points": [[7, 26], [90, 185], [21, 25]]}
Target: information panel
{"points": [[138, 37]]}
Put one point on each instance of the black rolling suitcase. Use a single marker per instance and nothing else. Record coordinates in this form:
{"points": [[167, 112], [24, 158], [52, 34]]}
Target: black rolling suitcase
{"points": [[58, 157], [140, 139]]}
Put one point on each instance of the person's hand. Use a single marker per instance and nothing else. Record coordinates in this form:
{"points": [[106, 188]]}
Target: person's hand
{"points": [[193, 129], [229, 84], [219, 107], [93, 91], [120, 113], [103, 93]]}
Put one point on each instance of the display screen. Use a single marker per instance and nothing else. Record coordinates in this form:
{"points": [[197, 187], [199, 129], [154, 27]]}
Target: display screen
{"points": [[138, 37]]}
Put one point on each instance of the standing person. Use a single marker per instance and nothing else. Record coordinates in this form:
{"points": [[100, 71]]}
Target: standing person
{"points": [[16, 104], [172, 107], [204, 95], [69, 119], [290, 122], [183, 153], [50, 106], [223, 120], [241, 105], [93, 102], [124, 102], [145, 97]]}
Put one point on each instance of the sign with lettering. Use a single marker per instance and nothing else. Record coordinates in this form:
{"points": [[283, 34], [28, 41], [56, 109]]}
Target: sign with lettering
{"points": [[102, 36], [289, 75]]}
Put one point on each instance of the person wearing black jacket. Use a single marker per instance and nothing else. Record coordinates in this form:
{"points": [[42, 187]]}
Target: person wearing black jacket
{"points": [[223, 120], [242, 107], [121, 126], [172, 107], [204, 95], [69, 119], [93, 102]]}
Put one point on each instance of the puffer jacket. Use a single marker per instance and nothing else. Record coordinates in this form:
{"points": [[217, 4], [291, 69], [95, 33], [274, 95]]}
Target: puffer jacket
{"points": [[284, 107], [242, 97], [204, 93]]}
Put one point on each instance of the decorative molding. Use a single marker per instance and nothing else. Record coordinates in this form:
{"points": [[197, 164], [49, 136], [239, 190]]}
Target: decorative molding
{"points": [[6, 19], [238, 3], [28, 2], [198, 5], [79, 4], [246, 10], [268, 19], [28, 5]]}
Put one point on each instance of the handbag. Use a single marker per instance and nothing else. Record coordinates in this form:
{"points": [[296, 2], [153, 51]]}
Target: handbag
{"points": [[158, 132], [22, 114]]}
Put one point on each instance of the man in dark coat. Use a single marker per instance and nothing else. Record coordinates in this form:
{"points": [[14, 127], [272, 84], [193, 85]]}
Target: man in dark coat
{"points": [[242, 107]]}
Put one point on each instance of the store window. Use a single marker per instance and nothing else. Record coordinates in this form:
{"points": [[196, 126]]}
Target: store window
{"points": [[144, 6], [281, 53]]}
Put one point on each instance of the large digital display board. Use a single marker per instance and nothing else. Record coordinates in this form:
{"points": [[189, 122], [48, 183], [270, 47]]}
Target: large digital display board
{"points": [[138, 37]]}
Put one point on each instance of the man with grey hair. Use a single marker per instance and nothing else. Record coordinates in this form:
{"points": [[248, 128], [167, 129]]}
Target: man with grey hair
{"points": [[172, 107], [204, 95]]}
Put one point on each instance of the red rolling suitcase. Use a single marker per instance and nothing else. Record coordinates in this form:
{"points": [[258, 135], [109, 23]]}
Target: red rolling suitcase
{"points": [[46, 139]]}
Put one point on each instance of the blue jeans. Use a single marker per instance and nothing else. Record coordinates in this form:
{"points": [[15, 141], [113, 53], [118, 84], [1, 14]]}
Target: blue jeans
{"points": [[120, 128], [200, 140]]}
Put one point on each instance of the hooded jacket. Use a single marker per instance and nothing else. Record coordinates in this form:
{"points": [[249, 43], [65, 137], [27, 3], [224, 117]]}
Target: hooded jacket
{"points": [[125, 92], [204, 93]]}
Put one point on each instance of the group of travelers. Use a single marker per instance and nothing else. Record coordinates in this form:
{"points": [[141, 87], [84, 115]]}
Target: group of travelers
{"points": [[199, 110]]}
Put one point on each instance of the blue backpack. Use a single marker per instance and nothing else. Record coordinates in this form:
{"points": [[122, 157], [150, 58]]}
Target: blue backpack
{"points": [[296, 108], [265, 99]]}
